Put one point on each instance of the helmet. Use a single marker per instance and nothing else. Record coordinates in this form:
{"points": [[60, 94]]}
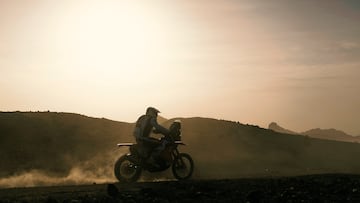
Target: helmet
{"points": [[152, 111]]}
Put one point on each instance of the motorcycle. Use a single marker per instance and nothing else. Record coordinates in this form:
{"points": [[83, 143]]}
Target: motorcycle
{"points": [[128, 168]]}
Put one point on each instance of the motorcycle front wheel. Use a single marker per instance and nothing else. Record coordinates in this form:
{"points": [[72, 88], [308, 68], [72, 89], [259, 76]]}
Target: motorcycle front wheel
{"points": [[126, 170], [183, 166]]}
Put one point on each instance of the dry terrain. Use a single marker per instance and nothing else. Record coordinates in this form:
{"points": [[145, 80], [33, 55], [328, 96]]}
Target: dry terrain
{"points": [[311, 188]]}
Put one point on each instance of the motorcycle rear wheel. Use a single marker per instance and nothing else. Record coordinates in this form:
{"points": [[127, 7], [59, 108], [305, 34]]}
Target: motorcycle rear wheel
{"points": [[126, 170], [183, 166]]}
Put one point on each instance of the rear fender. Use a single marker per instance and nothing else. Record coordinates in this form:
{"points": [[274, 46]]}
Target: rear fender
{"points": [[128, 144], [179, 143]]}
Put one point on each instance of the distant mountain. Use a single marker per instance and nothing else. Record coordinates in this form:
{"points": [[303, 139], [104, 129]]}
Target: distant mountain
{"points": [[79, 148], [331, 134], [275, 127], [327, 134]]}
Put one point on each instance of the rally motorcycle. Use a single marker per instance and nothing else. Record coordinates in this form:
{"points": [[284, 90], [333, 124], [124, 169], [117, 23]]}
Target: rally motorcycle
{"points": [[128, 167]]}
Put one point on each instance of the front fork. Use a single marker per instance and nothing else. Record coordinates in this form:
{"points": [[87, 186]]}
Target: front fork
{"points": [[177, 161]]}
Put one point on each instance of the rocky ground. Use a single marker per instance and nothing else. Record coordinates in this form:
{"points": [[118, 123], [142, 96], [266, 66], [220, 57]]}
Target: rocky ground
{"points": [[312, 188]]}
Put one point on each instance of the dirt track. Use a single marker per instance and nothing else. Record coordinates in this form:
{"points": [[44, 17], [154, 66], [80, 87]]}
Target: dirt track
{"points": [[315, 188]]}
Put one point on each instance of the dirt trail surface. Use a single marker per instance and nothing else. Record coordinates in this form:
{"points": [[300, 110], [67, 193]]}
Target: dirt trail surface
{"points": [[314, 188]]}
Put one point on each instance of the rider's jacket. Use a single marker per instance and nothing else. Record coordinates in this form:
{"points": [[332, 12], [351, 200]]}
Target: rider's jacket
{"points": [[144, 125]]}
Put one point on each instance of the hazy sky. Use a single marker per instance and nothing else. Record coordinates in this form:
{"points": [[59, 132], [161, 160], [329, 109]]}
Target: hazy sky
{"points": [[290, 61]]}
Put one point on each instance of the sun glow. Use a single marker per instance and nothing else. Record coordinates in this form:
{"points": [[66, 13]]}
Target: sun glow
{"points": [[124, 38], [90, 56]]}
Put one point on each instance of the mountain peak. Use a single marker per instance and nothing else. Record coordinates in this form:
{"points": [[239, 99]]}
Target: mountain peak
{"points": [[277, 128]]}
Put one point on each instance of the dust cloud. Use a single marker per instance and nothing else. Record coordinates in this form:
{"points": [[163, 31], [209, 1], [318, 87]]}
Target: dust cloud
{"points": [[33, 178], [95, 171]]}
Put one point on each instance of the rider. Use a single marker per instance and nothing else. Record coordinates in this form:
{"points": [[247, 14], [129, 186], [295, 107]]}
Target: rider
{"points": [[144, 126]]}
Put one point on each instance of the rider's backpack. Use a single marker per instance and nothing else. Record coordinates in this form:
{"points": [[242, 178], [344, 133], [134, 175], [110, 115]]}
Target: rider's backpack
{"points": [[141, 124]]}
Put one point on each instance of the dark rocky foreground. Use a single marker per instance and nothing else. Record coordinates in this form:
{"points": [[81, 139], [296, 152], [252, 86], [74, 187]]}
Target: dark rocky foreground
{"points": [[312, 188]]}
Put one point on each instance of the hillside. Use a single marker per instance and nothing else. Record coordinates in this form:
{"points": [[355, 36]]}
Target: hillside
{"points": [[54, 142], [61, 148]]}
